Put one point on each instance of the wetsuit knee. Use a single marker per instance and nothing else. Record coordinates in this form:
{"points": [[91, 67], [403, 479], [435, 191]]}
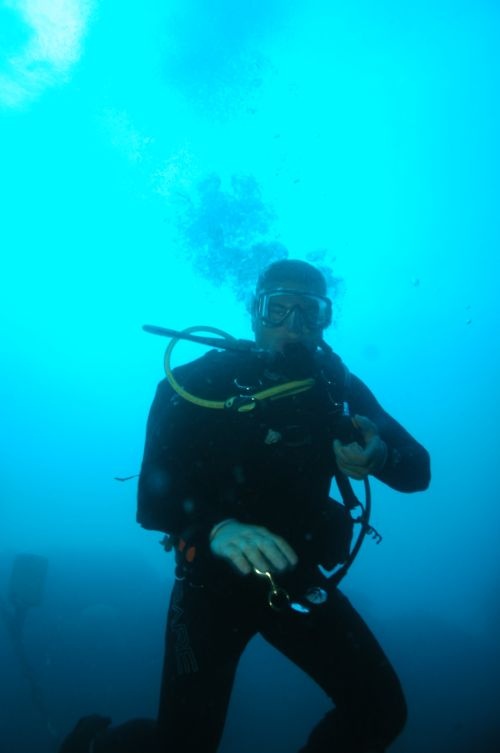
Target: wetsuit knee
{"points": [[368, 729], [389, 721]]}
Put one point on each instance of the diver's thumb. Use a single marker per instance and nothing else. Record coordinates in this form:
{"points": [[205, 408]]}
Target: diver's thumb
{"points": [[366, 427]]}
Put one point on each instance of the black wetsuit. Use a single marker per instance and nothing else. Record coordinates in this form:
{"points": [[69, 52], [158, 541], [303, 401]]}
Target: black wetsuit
{"points": [[271, 466]]}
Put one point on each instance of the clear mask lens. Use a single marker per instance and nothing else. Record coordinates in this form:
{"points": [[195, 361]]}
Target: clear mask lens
{"points": [[274, 308]]}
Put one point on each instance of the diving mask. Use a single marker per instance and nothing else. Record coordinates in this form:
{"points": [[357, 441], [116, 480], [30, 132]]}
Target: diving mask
{"points": [[273, 307]]}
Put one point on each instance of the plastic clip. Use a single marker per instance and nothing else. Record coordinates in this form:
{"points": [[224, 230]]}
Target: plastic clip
{"points": [[241, 402], [374, 534]]}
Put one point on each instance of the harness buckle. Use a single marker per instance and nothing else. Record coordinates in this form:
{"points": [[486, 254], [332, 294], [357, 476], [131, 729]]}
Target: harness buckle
{"points": [[240, 402]]}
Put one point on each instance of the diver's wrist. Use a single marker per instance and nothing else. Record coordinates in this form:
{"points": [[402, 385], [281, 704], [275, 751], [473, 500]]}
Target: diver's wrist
{"points": [[215, 530]]}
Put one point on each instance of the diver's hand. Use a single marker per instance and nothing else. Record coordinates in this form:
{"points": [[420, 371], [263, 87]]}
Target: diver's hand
{"points": [[356, 461], [248, 546]]}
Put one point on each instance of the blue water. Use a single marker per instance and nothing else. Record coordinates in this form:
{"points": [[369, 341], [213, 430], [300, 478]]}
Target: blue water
{"points": [[153, 157]]}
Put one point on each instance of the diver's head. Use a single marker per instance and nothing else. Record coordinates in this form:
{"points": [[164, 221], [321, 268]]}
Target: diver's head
{"points": [[290, 306]]}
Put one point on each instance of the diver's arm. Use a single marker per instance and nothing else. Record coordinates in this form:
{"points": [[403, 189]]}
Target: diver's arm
{"points": [[406, 467], [169, 497]]}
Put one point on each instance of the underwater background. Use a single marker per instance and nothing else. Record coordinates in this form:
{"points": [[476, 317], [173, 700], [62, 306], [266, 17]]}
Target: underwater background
{"points": [[154, 157]]}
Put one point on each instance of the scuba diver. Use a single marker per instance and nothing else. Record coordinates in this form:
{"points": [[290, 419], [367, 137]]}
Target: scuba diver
{"points": [[242, 446]]}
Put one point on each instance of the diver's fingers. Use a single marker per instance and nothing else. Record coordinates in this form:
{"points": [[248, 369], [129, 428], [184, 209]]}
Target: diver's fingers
{"points": [[248, 546], [355, 473], [247, 556], [267, 551], [377, 452], [352, 453], [372, 457], [366, 426], [353, 470], [237, 558], [261, 560], [279, 553]]}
